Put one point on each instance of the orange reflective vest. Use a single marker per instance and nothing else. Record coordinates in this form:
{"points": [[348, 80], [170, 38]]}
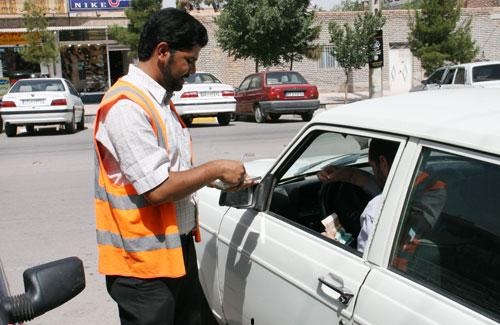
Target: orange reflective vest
{"points": [[134, 237]]}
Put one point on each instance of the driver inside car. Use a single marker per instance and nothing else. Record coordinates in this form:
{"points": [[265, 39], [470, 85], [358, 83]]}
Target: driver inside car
{"points": [[381, 154]]}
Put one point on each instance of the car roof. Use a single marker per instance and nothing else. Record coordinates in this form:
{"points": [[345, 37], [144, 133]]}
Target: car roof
{"points": [[474, 64], [468, 118]]}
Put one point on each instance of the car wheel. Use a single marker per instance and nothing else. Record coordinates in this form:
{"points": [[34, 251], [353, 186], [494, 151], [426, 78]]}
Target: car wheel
{"points": [[223, 118], [274, 116], [30, 128], [306, 117], [1, 124], [188, 120], [10, 130], [81, 125], [259, 115], [236, 117], [71, 126]]}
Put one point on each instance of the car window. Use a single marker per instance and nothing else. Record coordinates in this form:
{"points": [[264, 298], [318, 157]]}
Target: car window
{"points": [[436, 77], [29, 85], [199, 78], [72, 89], [302, 199], [486, 73], [245, 83], [255, 82], [284, 77], [460, 77], [448, 78], [449, 236]]}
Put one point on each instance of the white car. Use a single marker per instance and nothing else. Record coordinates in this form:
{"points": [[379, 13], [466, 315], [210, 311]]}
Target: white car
{"points": [[485, 74], [263, 258], [42, 101], [203, 95]]}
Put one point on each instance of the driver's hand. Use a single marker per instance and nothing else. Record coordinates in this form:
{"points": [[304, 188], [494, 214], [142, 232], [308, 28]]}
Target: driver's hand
{"points": [[334, 174]]}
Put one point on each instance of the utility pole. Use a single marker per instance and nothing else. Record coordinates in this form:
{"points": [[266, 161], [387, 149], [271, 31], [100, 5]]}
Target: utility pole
{"points": [[375, 85]]}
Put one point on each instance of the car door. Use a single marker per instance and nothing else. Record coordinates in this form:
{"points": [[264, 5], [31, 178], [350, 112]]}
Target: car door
{"points": [[241, 96], [255, 92], [435, 79], [448, 79], [435, 251], [274, 265], [76, 99]]}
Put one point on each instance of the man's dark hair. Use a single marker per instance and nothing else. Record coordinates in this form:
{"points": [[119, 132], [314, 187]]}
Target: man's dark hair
{"points": [[379, 147], [176, 27]]}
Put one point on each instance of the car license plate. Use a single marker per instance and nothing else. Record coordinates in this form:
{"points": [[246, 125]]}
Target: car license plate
{"points": [[33, 101], [210, 93], [294, 94]]}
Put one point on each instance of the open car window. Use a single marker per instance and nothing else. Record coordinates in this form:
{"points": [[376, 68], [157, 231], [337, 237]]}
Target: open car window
{"points": [[301, 198]]}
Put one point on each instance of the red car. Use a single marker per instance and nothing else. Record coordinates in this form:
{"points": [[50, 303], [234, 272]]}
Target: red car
{"points": [[270, 94]]}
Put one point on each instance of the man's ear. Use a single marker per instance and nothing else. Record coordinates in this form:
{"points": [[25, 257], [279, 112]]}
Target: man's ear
{"points": [[163, 51], [384, 165]]}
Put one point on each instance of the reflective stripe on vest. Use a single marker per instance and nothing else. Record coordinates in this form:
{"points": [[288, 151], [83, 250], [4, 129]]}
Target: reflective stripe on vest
{"points": [[134, 237]]}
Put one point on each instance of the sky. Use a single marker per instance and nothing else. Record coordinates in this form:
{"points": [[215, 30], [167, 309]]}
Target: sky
{"points": [[325, 4]]}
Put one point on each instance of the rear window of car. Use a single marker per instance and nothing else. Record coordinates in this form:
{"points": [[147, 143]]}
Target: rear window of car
{"points": [[200, 78], [286, 77], [23, 86], [486, 73]]}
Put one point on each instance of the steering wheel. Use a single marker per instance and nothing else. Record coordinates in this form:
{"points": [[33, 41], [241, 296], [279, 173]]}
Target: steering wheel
{"points": [[347, 201]]}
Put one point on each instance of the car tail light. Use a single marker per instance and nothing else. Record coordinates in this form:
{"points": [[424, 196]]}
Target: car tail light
{"points": [[7, 103], [273, 93], [227, 93], [189, 94], [314, 93], [59, 102]]}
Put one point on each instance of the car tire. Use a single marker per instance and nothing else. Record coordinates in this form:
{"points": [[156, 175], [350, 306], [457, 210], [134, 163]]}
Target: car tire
{"points": [[259, 116], [10, 130], [81, 124], [1, 125], [71, 126], [274, 116], [307, 116], [236, 117], [224, 119], [188, 120], [30, 128]]}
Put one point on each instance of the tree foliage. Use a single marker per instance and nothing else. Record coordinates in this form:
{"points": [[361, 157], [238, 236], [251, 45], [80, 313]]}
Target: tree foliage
{"points": [[435, 37], [352, 45], [41, 44], [350, 5], [138, 13], [268, 31]]}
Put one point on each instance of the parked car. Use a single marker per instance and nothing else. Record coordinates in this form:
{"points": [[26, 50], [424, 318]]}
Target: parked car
{"points": [[484, 74], [47, 286], [42, 101], [263, 256], [270, 94], [205, 95]]}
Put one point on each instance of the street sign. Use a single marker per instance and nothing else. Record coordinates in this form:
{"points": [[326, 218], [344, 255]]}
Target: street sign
{"points": [[377, 60]]}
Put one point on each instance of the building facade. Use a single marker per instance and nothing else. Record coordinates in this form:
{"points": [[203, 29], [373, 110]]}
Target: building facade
{"points": [[93, 61]]}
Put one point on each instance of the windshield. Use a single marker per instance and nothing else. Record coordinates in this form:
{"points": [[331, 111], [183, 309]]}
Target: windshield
{"points": [[285, 77], [330, 149], [202, 78], [30, 85]]}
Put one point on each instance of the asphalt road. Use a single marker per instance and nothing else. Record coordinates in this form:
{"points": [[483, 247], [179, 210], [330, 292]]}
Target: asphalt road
{"points": [[46, 202]]}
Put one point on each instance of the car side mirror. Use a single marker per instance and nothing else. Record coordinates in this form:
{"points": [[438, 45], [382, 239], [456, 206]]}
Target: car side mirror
{"points": [[241, 199], [424, 82], [47, 286], [236, 89]]}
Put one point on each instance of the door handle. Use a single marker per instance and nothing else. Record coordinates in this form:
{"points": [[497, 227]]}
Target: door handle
{"points": [[345, 294]]}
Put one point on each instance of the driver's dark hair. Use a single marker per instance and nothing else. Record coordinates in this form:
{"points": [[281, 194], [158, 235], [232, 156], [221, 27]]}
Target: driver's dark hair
{"points": [[386, 148], [176, 27]]}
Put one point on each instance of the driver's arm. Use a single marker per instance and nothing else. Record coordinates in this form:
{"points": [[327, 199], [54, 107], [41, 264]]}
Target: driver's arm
{"points": [[354, 176]]}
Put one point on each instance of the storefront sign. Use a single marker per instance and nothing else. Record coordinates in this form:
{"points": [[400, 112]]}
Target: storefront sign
{"points": [[377, 60], [12, 38], [93, 5]]}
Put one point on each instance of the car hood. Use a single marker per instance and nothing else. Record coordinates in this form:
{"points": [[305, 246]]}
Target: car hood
{"points": [[258, 167]]}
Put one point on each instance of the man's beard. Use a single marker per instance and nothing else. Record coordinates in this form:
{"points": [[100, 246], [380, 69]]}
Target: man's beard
{"points": [[170, 83]]}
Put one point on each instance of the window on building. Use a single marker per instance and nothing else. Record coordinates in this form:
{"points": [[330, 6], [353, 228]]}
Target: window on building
{"points": [[327, 60]]}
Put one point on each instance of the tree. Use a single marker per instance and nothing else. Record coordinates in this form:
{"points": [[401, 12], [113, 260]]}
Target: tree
{"points": [[352, 46], [41, 44], [350, 5], [267, 31], [435, 37], [138, 13]]}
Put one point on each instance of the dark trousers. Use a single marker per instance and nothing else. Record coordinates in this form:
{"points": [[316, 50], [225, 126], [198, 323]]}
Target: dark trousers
{"points": [[163, 301]]}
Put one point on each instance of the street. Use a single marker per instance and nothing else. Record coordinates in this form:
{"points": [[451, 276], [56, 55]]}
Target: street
{"points": [[46, 200]]}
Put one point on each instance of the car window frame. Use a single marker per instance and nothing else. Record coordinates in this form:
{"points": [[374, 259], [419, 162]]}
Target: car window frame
{"points": [[241, 88], [293, 151]]}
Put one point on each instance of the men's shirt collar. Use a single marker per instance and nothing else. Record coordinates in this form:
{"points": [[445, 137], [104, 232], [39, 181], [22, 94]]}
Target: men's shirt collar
{"points": [[154, 88]]}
